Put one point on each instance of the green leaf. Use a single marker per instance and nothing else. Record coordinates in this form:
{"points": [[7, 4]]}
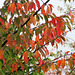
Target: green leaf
{"points": [[18, 39]]}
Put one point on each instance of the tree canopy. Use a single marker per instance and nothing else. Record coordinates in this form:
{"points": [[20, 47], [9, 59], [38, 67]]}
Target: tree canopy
{"points": [[20, 54]]}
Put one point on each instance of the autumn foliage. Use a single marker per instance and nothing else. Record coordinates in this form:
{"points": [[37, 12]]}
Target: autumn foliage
{"points": [[21, 54]]}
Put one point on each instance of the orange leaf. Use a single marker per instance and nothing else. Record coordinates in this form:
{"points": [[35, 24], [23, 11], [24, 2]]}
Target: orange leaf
{"points": [[14, 42], [59, 63], [11, 8], [22, 66], [13, 67], [33, 45], [52, 67], [37, 54], [47, 11], [2, 22], [1, 56], [38, 4], [32, 19], [44, 68], [9, 40], [16, 67], [26, 59], [42, 10], [73, 56], [56, 45], [63, 63]]}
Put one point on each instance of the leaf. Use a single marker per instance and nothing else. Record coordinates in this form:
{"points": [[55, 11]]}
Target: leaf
{"points": [[44, 68], [38, 4], [31, 5], [13, 67], [2, 22], [11, 8], [25, 54], [2, 57], [67, 52], [58, 40], [33, 45], [58, 28], [50, 8], [73, 56], [9, 40], [22, 67], [41, 62], [56, 45], [42, 10], [63, 63], [47, 11], [59, 63], [14, 42], [52, 67], [16, 67], [37, 55], [32, 19]]}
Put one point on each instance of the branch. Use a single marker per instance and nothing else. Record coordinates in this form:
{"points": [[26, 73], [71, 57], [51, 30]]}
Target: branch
{"points": [[26, 22], [49, 63]]}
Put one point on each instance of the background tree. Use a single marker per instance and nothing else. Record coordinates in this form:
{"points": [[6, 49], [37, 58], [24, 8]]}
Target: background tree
{"points": [[21, 54]]}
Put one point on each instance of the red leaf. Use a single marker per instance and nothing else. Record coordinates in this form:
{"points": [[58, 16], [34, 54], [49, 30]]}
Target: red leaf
{"points": [[41, 62], [2, 22], [42, 10], [38, 4], [67, 52], [31, 5], [50, 8], [58, 40]]}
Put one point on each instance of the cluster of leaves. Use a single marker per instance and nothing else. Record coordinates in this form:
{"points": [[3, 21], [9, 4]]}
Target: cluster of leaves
{"points": [[16, 44]]}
